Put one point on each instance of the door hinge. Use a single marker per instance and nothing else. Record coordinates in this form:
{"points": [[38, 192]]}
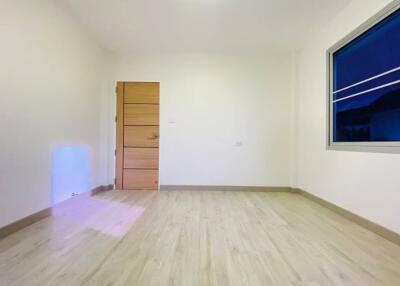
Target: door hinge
{"points": [[115, 152], [115, 181], [116, 89]]}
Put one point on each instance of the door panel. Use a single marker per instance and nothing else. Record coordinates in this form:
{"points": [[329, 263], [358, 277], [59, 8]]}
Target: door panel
{"points": [[141, 136], [145, 92], [140, 179], [145, 158], [137, 152], [141, 114]]}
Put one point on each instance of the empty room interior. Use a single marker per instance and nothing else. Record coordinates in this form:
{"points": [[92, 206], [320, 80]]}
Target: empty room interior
{"points": [[200, 142]]}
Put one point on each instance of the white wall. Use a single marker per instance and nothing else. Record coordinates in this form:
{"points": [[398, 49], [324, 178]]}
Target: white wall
{"points": [[209, 102], [52, 85], [367, 184]]}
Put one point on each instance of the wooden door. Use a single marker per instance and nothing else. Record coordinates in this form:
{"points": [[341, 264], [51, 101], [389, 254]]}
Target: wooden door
{"points": [[137, 152]]}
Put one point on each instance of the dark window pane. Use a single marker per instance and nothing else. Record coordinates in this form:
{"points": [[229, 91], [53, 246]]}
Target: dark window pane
{"points": [[373, 117], [366, 85], [374, 52]]}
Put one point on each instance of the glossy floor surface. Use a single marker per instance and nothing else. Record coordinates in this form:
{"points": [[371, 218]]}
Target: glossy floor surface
{"points": [[196, 238]]}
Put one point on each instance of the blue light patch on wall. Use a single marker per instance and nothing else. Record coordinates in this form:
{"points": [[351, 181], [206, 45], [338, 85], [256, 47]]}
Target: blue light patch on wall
{"points": [[70, 172]]}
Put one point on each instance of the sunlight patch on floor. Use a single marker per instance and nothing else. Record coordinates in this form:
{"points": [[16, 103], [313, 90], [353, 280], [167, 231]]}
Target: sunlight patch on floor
{"points": [[108, 217]]}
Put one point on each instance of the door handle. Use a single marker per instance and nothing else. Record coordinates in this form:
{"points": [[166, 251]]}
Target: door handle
{"points": [[154, 137]]}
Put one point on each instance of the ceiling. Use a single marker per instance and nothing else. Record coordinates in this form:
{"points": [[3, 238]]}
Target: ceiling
{"points": [[125, 26]]}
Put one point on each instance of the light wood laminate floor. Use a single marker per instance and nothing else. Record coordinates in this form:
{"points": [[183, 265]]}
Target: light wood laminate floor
{"points": [[196, 238]]}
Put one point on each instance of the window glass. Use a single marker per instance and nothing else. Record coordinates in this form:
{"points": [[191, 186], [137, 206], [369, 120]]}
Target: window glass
{"points": [[366, 85]]}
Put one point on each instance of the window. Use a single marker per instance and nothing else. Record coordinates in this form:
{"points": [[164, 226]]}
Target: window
{"points": [[364, 85]]}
